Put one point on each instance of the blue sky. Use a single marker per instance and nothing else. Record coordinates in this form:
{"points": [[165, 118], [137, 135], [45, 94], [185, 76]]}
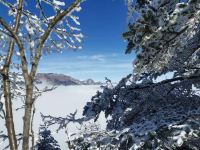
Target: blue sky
{"points": [[102, 23]]}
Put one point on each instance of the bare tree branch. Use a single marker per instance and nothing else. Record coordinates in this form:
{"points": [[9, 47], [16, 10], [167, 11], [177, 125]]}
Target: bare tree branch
{"points": [[46, 34], [21, 48]]}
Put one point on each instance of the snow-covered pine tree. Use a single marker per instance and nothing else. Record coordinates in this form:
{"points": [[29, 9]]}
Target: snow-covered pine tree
{"points": [[46, 140], [147, 111], [165, 37]]}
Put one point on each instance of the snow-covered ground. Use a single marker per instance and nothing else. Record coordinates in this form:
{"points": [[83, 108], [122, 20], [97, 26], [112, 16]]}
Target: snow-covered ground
{"points": [[60, 102]]}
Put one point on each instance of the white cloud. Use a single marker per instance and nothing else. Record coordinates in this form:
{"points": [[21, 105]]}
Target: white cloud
{"points": [[114, 55], [82, 57], [98, 57]]}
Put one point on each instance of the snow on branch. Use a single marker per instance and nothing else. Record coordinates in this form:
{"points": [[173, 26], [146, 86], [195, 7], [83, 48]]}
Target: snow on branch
{"points": [[163, 36], [138, 110], [63, 122], [65, 32]]}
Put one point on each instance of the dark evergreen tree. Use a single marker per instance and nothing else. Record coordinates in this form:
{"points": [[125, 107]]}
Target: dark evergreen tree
{"points": [[46, 140]]}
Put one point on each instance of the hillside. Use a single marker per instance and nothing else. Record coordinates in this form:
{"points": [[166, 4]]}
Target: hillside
{"points": [[61, 79]]}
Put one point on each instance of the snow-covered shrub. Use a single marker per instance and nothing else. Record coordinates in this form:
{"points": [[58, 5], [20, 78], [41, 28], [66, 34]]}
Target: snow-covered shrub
{"points": [[46, 140], [91, 136]]}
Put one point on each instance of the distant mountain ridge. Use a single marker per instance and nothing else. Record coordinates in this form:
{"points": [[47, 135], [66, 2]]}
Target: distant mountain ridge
{"points": [[61, 79]]}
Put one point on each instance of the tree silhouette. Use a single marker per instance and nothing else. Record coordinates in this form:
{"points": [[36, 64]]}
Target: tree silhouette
{"points": [[46, 140]]}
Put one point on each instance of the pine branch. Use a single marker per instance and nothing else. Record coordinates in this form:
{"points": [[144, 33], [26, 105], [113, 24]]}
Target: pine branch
{"points": [[153, 85]]}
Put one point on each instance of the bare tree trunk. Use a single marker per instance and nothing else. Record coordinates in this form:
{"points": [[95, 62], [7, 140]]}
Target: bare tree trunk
{"points": [[27, 116], [9, 112], [6, 85], [32, 131]]}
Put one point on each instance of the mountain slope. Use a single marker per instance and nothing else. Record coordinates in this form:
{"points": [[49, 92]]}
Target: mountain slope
{"points": [[61, 79]]}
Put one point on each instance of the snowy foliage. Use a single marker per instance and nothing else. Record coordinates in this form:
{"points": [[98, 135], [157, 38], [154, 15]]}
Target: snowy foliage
{"points": [[63, 121], [34, 22], [165, 37], [92, 137], [138, 110], [16, 85], [46, 140], [151, 114]]}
